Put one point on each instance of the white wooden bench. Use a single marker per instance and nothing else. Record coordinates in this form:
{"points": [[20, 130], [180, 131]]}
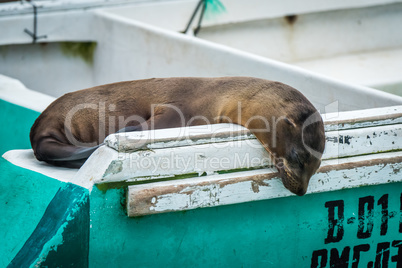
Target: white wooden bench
{"points": [[194, 167]]}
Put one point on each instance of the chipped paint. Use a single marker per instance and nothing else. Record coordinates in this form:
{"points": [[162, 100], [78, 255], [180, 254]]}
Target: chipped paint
{"points": [[223, 157], [115, 167], [259, 185], [63, 229], [363, 118], [177, 137], [362, 141], [234, 156]]}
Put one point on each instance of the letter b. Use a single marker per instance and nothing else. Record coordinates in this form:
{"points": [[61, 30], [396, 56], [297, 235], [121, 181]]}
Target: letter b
{"points": [[335, 224]]}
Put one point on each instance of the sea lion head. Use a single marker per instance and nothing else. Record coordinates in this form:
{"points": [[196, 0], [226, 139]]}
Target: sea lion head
{"points": [[300, 145]]}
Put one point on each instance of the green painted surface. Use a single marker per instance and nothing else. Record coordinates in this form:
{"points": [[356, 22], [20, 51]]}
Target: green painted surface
{"points": [[24, 197], [16, 122], [282, 232], [61, 238]]}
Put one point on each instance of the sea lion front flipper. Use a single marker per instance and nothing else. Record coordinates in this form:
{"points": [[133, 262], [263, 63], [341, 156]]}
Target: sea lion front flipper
{"points": [[130, 129], [68, 164], [60, 154]]}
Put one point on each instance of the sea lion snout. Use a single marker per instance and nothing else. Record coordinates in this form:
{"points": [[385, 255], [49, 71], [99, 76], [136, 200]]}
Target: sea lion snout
{"points": [[296, 182], [300, 156], [296, 179]]}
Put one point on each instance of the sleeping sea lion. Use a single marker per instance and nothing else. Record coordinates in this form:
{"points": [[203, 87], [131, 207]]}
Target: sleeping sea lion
{"points": [[283, 120]]}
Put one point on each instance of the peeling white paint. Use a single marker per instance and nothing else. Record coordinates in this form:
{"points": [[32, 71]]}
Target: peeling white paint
{"points": [[363, 141], [206, 158], [230, 152], [238, 188], [177, 137], [363, 118]]}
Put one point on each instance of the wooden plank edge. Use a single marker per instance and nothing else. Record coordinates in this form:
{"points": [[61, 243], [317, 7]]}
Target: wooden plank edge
{"points": [[243, 187], [342, 144], [362, 118], [182, 136], [187, 136]]}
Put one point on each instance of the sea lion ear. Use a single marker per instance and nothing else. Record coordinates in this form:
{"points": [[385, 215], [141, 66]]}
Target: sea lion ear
{"points": [[290, 122]]}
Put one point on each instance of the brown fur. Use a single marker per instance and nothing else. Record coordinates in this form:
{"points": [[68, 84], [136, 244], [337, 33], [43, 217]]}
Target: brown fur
{"points": [[216, 99]]}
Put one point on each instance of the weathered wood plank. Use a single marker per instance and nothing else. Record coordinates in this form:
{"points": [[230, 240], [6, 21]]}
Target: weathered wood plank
{"points": [[248, 186], [230, 153], [369, 140], [188, 136], [185, 161], [177, 137], [363, 118]]}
